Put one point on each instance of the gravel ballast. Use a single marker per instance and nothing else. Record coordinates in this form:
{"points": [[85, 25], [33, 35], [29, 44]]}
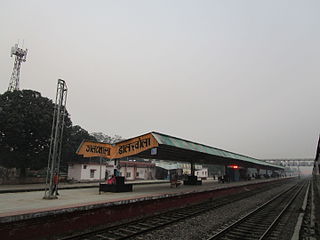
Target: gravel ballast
{"points": [[205, 225]]}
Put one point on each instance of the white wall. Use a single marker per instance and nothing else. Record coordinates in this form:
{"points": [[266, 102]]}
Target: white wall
{"points": [[81, 172], [74, 172], [78, 172], [85, 172], [110, 170], [202, 173], [140, 173], [128, 173]]}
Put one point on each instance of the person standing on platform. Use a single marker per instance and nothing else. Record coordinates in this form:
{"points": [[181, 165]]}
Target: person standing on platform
{"points": [[111, 180], [55, 184]]}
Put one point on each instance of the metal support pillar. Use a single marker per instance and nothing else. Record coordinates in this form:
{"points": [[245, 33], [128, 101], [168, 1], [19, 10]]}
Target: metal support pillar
{"points": [[192, 168], [258, 173], [100, 174], [192, 179], [316, 168], [56, 140], [115, 168]]}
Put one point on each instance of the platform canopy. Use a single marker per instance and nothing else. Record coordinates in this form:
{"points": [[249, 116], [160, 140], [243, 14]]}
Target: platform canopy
{"points": [[156, 145]]}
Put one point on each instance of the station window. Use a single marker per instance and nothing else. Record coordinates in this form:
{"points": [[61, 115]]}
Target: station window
{"points": [[92, 173], [137, 174], [84, 166], [128, 174]]}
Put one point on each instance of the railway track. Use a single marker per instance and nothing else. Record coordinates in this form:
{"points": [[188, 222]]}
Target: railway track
{"points": [[306, 216], [262, 222], [149, 224]]}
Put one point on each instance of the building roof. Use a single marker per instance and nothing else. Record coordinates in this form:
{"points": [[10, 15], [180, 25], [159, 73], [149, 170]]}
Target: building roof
{"points": [[197, 147], [155, 145]]}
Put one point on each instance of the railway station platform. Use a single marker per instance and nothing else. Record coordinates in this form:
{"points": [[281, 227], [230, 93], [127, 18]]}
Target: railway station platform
{"points": [[64, 185], [26, 205], [94, 208]]}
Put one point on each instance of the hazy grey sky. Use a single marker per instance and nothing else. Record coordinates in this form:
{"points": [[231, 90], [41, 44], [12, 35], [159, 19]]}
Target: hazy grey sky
{"points": [[240, 75]]}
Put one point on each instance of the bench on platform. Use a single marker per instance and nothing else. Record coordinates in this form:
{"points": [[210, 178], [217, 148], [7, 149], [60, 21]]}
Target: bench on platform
{"points": [[119, 186], [115, 187], [192, 180], [175, 183]]}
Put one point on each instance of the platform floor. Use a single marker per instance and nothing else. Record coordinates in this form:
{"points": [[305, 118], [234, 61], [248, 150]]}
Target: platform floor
{"points": [[41, 186], [13, 205]]}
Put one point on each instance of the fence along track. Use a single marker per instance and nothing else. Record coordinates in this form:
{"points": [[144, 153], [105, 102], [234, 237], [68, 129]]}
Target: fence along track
{"points": [[261, 222], [148, 224]]}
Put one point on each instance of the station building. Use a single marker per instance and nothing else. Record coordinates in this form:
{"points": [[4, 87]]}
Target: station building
{"points": [[131, 170], [154, 145]]}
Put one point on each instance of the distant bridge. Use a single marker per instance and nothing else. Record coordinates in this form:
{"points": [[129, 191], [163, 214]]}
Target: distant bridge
{"points": [[292, 162]]}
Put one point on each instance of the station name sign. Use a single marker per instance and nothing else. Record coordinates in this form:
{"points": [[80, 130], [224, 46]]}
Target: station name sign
{"points": [[98, 149], [95, 149], [122, 149], [135, 146]]}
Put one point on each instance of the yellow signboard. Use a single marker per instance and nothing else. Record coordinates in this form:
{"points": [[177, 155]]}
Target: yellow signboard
{"points": [[95, 149], [134, 146], [119, 150]]}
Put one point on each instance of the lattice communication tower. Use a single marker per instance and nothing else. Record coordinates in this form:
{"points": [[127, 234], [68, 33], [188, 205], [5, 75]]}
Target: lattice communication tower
{"points": [[20, 56]]}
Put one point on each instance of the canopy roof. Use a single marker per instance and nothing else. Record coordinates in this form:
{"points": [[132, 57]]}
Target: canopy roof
{"points": [[156, 145]]}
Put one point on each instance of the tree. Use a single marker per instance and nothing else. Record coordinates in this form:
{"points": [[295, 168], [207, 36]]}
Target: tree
{"points": [[25, 129], [74, 136], [101, 137]]}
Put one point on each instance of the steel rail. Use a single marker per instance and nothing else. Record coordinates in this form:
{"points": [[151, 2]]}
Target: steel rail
{"points": [[258, 210], [273, 224]]}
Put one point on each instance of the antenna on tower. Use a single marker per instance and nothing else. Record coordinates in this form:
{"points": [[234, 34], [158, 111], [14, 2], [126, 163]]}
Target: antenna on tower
{"points": [[20, 56]]}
